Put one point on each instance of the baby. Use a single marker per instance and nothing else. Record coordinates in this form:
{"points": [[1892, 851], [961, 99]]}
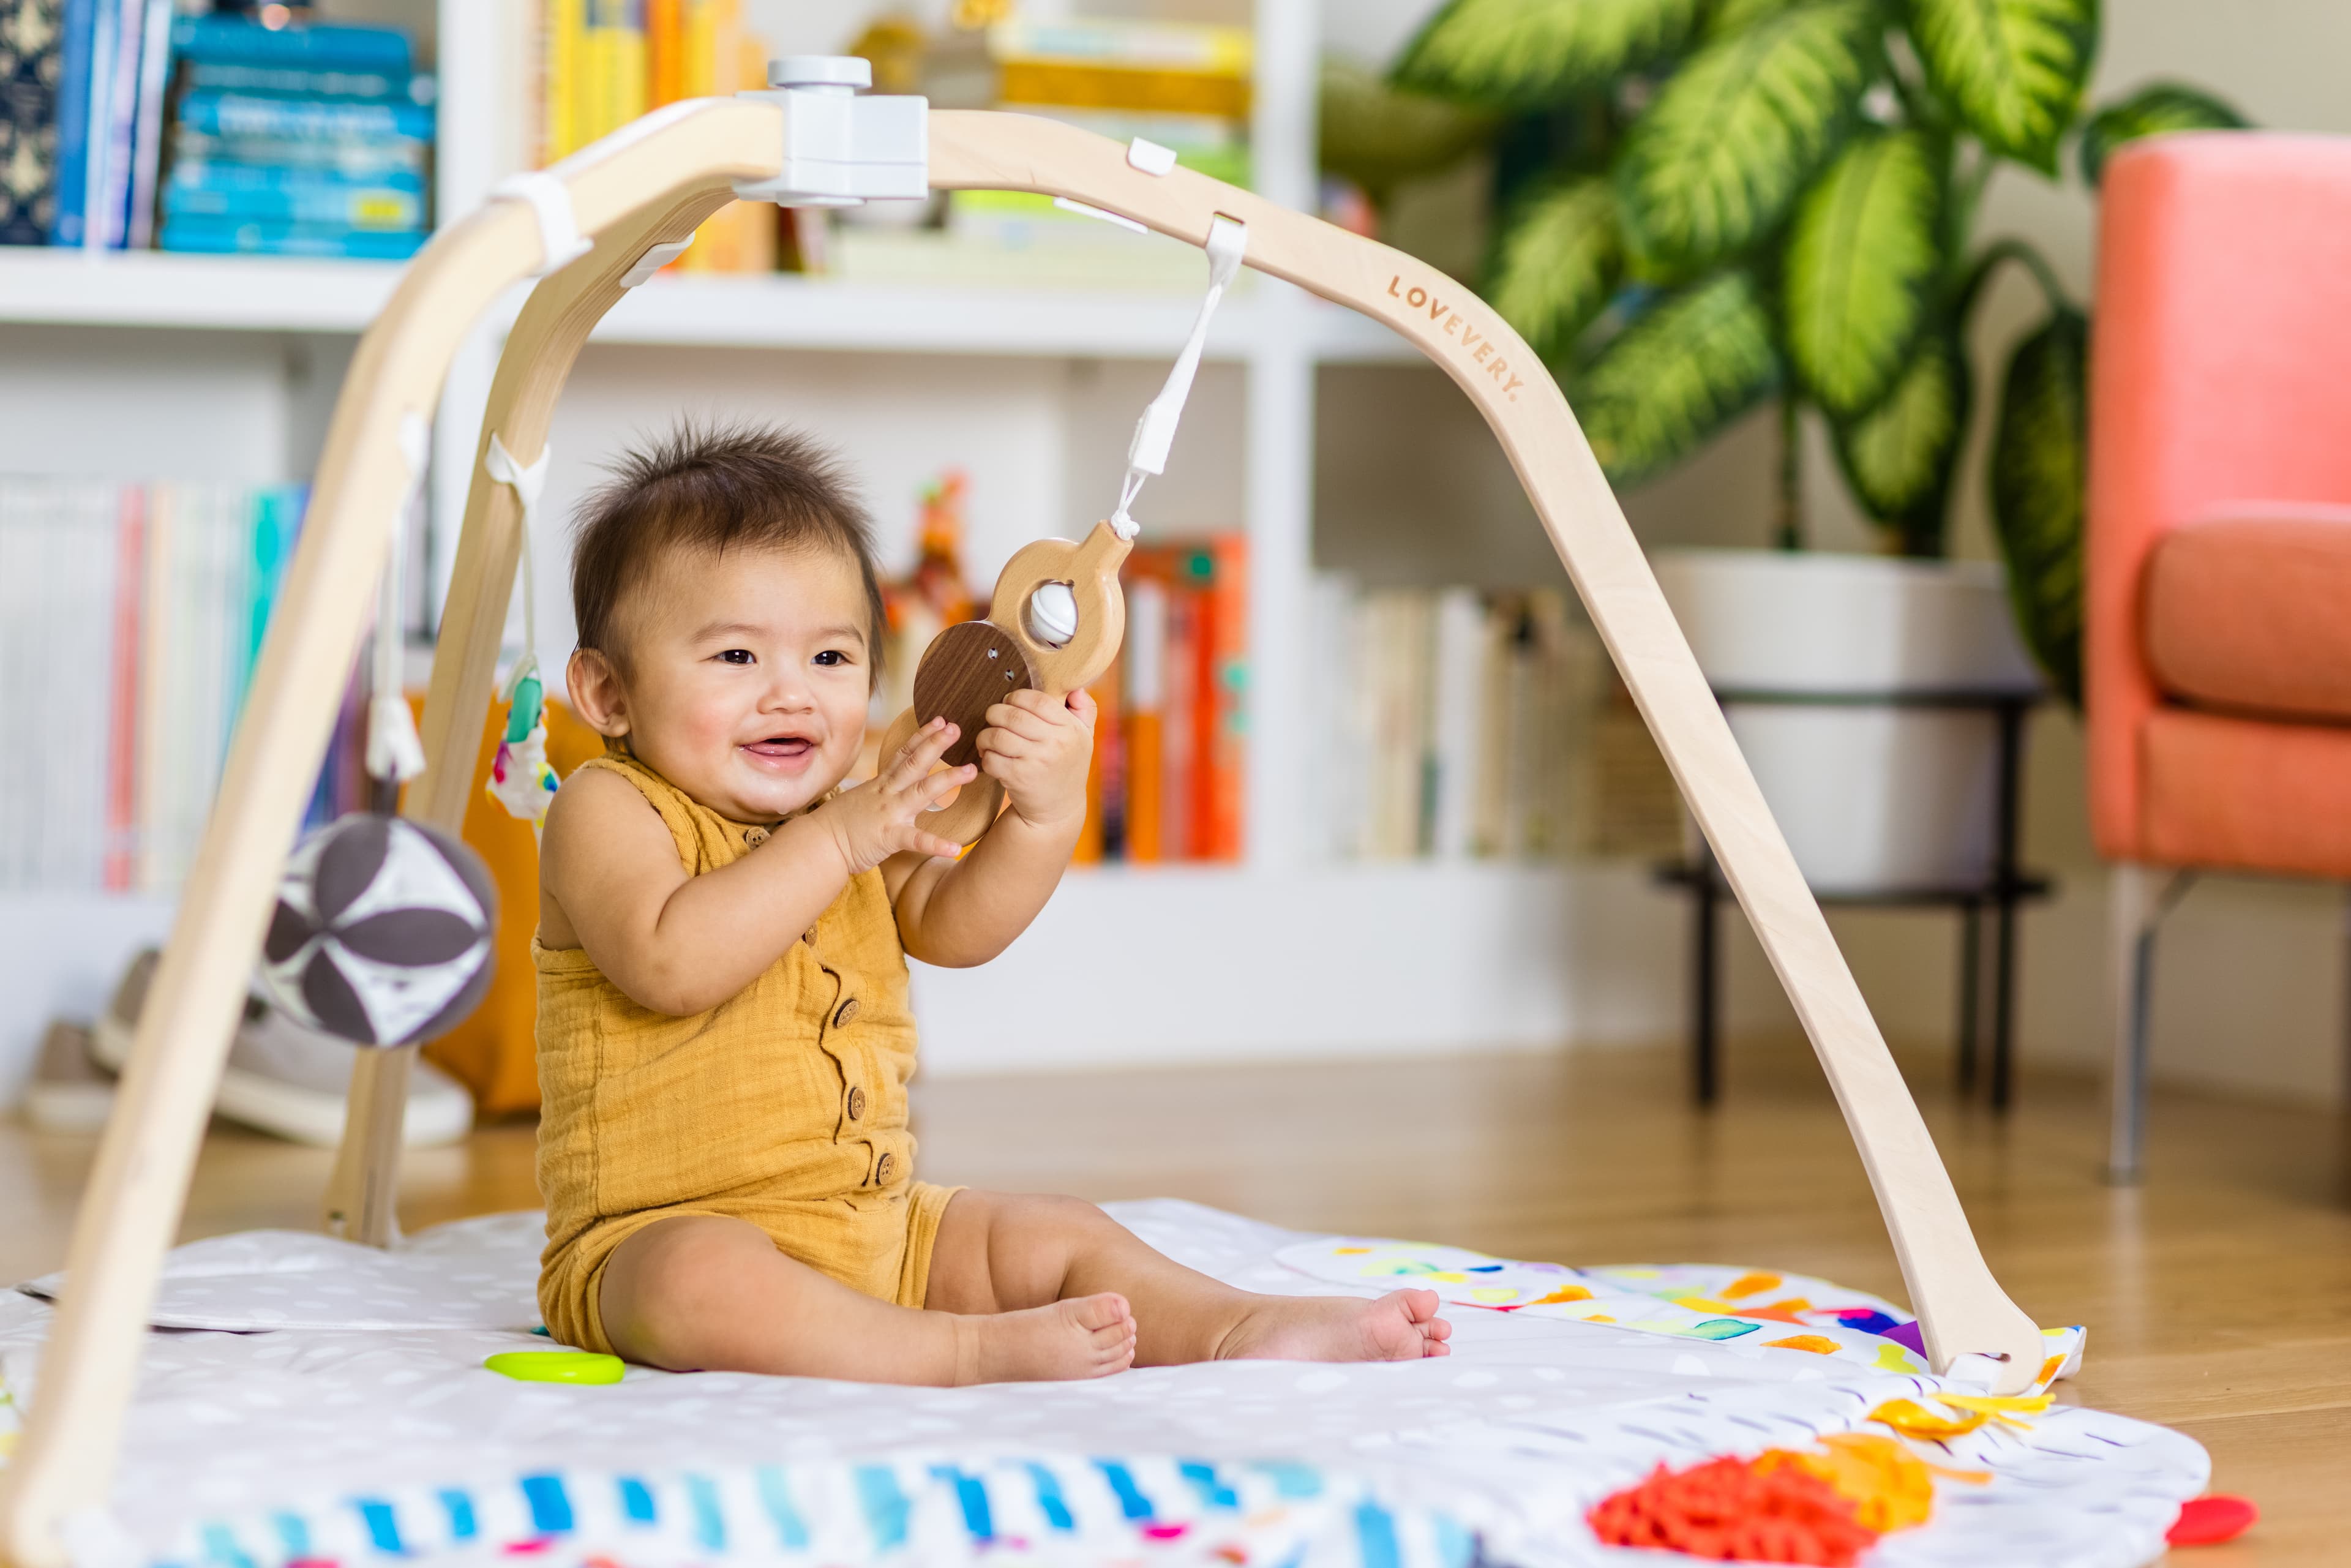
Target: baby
{"points": [[723, 1036]]}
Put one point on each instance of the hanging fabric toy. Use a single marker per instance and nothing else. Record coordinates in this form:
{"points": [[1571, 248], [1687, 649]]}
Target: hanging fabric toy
{"points": [[520, 778]]}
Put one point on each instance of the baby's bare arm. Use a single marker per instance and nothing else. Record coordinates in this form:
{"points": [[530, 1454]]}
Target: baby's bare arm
{"points": [[956, 914], [610, 883]]}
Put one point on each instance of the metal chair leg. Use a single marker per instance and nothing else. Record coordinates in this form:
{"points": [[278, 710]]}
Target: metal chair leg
{"points": [[2134, 909]]}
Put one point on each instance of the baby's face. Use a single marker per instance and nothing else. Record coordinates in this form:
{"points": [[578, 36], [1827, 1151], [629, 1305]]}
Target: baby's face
{"points": [[747, 676]]}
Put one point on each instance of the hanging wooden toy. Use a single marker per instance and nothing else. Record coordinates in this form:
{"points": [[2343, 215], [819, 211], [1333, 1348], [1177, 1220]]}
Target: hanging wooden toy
{"points": [[521, 780], [1057, 616]]}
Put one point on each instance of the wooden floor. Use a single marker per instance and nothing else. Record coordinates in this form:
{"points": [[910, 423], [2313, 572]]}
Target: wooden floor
{"points": [[2217, 1296]]}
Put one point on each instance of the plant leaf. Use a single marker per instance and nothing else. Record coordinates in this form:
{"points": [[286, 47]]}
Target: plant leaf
{"points": [[1730, 15], [2014, 69], [1900, 456], [1379, 137], [1557, 261], [2040, 450], [1696, 360], [1532, 53], [1720, 154], [2153, 109], [1860, 272]]}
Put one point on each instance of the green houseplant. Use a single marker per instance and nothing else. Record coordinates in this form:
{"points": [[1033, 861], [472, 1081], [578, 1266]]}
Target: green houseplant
{"points": [[1709, 204]]}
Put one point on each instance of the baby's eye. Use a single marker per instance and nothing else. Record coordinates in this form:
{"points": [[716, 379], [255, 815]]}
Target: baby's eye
{"points": [[831, 657], [737, 656]]}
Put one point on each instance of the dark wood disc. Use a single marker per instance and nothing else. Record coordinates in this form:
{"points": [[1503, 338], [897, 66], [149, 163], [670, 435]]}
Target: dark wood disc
{"points": [[967, 669]]}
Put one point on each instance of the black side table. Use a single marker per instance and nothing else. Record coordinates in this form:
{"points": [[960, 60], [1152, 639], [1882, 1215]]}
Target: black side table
{"points": [[1999, 895]]}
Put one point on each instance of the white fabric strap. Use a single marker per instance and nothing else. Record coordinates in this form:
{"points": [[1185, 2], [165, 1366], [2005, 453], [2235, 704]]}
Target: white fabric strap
{"points": [[527, 484], [1146, 454], [395, 753], [560, 241]]}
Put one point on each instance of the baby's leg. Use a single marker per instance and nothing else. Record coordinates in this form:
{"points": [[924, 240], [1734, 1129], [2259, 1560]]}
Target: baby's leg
{"points": [[702, 1293], [1001, 1252]]}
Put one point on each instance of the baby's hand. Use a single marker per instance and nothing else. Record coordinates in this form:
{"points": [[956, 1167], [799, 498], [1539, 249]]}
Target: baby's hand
{"points": [[1037, 748], [882, 816]]}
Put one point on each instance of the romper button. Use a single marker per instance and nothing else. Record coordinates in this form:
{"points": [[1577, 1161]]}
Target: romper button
{"points": [[881, 1169], [856, 1103], [845, 1014], [755, 836]]}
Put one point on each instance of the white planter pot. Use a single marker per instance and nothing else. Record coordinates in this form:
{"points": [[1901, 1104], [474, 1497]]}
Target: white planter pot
{"points": [[1872, 798]]}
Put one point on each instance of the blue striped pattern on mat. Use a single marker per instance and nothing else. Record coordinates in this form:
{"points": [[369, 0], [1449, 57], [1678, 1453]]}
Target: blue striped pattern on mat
{"points": [[932, 1509]]}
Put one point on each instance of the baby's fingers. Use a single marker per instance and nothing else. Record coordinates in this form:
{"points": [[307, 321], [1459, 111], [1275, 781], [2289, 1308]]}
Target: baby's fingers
{"points": [[928, 791], [917, 757]]}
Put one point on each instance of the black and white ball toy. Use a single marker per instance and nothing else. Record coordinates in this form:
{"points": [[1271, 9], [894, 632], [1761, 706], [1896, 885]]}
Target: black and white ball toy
{"points": [[382, 934]]}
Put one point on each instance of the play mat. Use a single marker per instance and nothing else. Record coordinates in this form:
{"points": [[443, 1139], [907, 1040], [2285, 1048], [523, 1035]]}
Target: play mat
{"points": [[308, 1401]]}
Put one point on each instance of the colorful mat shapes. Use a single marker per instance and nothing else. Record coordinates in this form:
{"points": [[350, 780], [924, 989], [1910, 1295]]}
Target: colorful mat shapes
{"points": [[1752, 1309]]}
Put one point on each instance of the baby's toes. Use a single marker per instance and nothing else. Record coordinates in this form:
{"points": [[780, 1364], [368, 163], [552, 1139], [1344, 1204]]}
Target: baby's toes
{"points": [[1419, 1306]]}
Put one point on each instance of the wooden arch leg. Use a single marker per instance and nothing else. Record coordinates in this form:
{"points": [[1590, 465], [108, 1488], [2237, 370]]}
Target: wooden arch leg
{"points": [[65, 1461], [536, 362]]}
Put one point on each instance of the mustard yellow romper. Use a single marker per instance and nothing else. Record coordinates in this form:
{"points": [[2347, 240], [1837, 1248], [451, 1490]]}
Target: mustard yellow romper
{"points": [[785, 1104]]}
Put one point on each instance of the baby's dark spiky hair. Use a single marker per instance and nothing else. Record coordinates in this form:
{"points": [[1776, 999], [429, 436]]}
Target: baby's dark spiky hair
{"points": [[714, 487]]}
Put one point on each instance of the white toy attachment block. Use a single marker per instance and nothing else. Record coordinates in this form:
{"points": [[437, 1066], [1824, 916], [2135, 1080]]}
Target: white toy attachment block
{"points": [[653, 260], [841, 150], [1150, 157]]}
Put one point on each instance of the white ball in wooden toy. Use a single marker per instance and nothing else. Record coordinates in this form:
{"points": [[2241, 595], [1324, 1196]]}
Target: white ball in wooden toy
{"points": [[382, 934], [1053, 614]]}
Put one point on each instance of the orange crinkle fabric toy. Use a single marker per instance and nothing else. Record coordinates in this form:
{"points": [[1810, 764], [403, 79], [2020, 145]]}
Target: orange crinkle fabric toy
{"points": [[1729, 1508]]}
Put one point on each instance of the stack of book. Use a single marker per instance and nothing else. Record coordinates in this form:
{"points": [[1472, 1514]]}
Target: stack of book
{"points": [[1171, 740], [604, 63], [1455, 724], [130, 617], [85, 83], [297, 141], [1185, 85]]}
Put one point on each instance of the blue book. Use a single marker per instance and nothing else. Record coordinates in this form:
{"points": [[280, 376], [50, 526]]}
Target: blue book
{"points": [[291, 82], [376, 158], [28, 121], [232, 236], [242, 114], [290, 196], [74, 46], [312, 47]]}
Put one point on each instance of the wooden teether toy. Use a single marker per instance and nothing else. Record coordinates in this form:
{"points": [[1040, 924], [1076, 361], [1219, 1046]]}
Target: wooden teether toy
{"points": [[1057, 615]]}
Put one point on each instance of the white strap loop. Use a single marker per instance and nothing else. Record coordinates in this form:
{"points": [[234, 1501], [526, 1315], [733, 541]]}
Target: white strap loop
{"points": [[1154, 433], [527, 484], [560, 241], [395, 752]]}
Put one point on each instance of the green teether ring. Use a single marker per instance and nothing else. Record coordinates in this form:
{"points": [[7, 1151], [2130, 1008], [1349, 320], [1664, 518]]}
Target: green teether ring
{"points": [[555, 1366]]}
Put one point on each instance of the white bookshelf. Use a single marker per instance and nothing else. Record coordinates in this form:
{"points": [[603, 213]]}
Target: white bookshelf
{"points": [[1277, 956]]}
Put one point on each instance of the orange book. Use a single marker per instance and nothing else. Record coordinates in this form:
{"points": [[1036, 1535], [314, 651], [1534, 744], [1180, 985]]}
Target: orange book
{"points": [[1224, 747], [664, 52], [1096, 839], [122, 714]]}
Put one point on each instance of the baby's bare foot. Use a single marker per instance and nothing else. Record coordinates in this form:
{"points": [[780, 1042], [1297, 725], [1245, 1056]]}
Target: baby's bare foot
{"points": [[1402, 1326], [1088, 1336]]}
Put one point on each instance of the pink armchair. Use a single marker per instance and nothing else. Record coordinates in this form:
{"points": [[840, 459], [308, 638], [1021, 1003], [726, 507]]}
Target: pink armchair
{"points": [[2217, 643]]}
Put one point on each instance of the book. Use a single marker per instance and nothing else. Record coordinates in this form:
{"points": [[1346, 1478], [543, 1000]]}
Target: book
{"points": [[114, 106], [236, 236], [612, 69], [238, 114], [1143, 695], [564, 50], [256, 192], [1459, 652], [30, 72], [370, 158], [293, 81], [311, 45], [1114, 64], [1224, 759], [77, 45], [147, 125]]}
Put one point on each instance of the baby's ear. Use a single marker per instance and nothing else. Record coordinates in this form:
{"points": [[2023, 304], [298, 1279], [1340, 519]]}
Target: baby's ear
{"points": [[597, 695]]}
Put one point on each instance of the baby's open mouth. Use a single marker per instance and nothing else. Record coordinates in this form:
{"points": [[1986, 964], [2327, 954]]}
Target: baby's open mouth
{"points": [[783, 748]]}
